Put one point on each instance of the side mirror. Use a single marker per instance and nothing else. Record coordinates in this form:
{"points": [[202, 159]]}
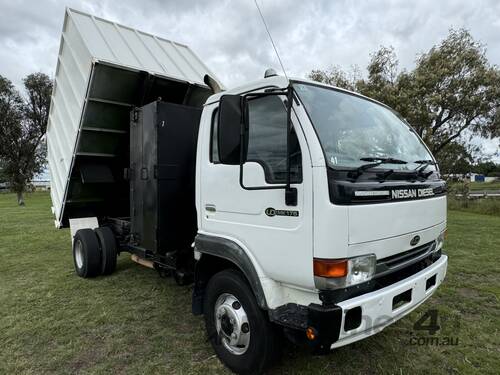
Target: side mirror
{"points": [[229, 129]]}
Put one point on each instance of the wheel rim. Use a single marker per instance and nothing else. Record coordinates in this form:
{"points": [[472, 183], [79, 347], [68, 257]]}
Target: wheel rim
{"points": [[79, 254], [231, 323]]}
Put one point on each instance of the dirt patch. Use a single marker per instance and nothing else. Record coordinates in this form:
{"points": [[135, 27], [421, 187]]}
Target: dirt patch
{"points": [[468, 293], [86, 359]]}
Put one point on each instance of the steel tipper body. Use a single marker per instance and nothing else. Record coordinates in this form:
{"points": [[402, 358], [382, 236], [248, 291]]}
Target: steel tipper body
{"points": [[103, 70]]}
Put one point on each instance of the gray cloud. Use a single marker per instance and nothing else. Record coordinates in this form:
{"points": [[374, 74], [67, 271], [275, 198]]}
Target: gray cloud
{"points": [[230, 38]]}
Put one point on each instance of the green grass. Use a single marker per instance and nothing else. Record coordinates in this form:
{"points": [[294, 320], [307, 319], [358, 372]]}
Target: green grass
{"points": [[484, 186], [134, 322], [487, 206], [477, 186]]}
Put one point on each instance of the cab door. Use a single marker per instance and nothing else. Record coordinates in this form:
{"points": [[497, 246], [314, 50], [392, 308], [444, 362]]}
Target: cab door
{"points": [[275, 236]]}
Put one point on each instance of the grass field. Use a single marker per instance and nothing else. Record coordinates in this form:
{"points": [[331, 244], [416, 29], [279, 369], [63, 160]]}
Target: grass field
{"points": [[489, 205], [135, 322], [484, 186], [476, 186]]}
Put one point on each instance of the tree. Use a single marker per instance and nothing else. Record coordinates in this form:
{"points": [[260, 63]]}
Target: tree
{"points": [[23, 124], [452, 91], [486, 168], [455, 159], [3, 177], [335, 76], [459, 89], [382, 82]]}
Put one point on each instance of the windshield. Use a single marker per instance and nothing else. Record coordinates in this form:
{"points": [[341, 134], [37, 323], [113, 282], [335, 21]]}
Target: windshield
{"points": [[351, 128]]}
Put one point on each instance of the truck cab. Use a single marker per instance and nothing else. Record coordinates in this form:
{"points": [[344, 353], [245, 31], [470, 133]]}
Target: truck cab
{"points": [[327, 203]]}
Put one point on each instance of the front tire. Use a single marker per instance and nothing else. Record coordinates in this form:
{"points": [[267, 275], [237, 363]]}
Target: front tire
{"points": [[86, 253], [239, 331]]}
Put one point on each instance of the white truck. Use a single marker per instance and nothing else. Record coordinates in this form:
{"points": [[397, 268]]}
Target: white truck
{"points": [[295, 208]]}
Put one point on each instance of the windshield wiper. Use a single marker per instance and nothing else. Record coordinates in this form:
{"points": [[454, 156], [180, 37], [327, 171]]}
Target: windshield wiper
{"points": [[376, 161], [384, 160], [424, 164]]}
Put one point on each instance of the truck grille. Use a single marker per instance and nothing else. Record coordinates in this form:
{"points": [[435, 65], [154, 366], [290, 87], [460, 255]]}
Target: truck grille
{"points": [[386, 276], [400, 260]]}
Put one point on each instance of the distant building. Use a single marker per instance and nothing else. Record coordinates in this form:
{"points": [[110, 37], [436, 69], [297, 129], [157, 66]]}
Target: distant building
{"points": [[41, 181], [41, 184], [474, 177]]}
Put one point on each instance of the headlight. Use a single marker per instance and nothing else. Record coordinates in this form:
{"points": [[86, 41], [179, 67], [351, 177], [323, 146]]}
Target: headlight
{"points": [[341, 273], [440, 241]]}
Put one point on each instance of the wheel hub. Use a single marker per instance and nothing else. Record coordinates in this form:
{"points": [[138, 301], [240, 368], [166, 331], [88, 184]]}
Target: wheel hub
{"points": [[79, 254], [226, 325], [231, 323]]}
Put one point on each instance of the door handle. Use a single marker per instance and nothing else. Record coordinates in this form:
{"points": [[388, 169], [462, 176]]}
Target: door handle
{"points": [[210, 208]]}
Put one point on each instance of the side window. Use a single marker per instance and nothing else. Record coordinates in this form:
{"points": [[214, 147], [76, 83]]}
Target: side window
{"points": [[267, 140], [214, 145]]}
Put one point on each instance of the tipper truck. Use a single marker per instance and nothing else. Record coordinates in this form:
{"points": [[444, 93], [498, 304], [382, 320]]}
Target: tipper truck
{"points": [[294, 208]]}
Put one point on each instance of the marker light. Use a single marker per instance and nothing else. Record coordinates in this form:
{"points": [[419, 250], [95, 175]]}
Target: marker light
{"points": [[341, 273], [440, 240]]}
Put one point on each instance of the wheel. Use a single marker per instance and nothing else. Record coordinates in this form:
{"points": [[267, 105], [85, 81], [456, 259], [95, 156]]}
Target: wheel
{"points": [[239, 331], [107, 246], [86, 253]]}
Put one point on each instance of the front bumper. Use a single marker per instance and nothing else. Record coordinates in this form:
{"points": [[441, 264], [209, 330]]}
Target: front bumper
{"points": [[356, 318], [377, 308]]}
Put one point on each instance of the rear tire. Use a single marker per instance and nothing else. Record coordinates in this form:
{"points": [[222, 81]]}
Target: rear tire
{"points": [[107, 245], [86, 253], [229, 300]]}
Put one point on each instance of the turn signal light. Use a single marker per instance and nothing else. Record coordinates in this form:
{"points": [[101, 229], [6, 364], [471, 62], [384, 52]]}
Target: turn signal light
{"points": [[311, 333], [330, 267]]}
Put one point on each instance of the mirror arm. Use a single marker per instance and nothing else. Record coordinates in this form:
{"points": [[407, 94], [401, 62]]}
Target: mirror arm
{"points": [[290, 193], [243, 148], [242, 129], [288, 128]]}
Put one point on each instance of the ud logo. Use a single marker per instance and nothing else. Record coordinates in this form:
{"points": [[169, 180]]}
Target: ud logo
{"points": [[270, 211], [273, 212], [415, 240]]}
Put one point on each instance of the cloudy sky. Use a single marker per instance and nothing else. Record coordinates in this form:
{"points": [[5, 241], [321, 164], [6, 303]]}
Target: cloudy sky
{"points": [[230, 38]]}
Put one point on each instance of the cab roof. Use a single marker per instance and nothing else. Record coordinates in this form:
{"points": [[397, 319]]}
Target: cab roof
{"points": [[278, 81]]}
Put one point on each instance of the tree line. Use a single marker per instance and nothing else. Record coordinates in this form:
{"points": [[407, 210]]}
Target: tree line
{"points": [[451, 96]]}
